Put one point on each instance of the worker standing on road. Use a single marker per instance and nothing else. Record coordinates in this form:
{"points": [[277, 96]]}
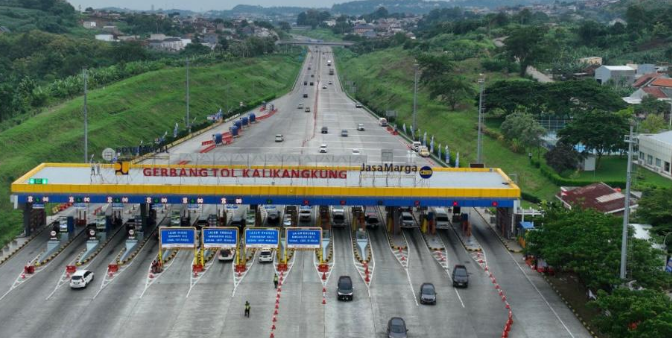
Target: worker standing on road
{"points": [[247, 309], [275, 280]]}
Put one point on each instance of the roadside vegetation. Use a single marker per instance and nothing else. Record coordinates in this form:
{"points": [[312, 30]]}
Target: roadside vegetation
{"points": [[142, 107]]}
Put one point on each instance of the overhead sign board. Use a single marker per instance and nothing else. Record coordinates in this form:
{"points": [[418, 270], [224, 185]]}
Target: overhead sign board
{"points": [[304, 238], [177, 238], [261, 238], [220, 237]]}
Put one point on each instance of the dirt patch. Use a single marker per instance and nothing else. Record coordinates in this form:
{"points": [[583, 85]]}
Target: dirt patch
{"points": [[575, 294]]}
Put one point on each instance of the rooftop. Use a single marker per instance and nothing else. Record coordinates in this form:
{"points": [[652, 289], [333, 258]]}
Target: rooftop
{"points": [[619, 68], [665, 137], [598, 196], [662, 82]]}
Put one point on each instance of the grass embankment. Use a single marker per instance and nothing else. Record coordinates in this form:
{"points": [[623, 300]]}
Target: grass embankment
{"points": [[385, 81], [318, 33], [140, 108]]}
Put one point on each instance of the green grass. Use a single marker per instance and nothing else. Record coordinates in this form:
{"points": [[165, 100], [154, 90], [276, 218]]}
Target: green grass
{"points": [[613, 168], [385, 81], [319, 33], [140, 108]]}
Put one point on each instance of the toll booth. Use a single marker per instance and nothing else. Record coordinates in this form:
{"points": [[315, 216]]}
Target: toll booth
{"points": [[325, 220], [291, 210], [33, 218]]}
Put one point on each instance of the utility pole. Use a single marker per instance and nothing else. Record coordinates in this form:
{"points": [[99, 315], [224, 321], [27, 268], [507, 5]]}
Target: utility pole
{"points": [[481, 82], [86, 120], [626, 211], [188, 120], [415, 97]]}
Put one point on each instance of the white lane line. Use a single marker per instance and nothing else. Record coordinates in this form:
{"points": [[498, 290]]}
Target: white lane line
{"points": [[408, 275], [539, 292], [448, 269]]}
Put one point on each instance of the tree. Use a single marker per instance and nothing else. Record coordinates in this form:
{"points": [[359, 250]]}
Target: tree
{"points": [[524, 129], [655, 208], [195, 49], [651, 105], [511, 96], [653, 124], [451, 90], [568, 98], [527, 45], [563, 157], [598, 131], [434, 67], [285, 26], [628, 313]]}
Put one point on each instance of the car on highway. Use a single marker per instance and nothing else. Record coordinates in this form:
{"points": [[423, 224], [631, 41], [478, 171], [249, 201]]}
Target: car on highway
{"points": [[396, 328], [358, 105], [360, 126], [441, 218], [226, 255], [371, 216], [305, 214], [307, 110], [250, 218], [305, 83], [175, 218], [460, 276], [324, 86], [266, 255], [345, 290], [423, 151], [237, 221], [331, 82], [311, 83], [427, 294], [300, 106], [305, 95], [312, 75], [81, 278], [325, 130], [338, 216], [308, 67], [406, 220], [344, 133], [279, 138], [273, 217], [323, 148], [356, 151], [287, 221]]}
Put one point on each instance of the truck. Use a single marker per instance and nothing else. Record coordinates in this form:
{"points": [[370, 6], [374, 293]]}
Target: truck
{"points": [[331, 71]]}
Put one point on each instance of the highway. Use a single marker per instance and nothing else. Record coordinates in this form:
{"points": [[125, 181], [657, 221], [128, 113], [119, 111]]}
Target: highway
{"points": [[172, 304]]}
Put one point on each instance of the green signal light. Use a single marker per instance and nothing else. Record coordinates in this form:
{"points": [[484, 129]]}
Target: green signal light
{"points": [[38, 181]]}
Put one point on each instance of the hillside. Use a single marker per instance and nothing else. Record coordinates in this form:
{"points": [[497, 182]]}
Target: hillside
{"points": [[48, 16], [140, 108]]}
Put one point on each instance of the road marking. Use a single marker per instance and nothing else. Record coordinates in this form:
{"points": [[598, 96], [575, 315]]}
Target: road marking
{"points": [[447, 269], [408, 275]]}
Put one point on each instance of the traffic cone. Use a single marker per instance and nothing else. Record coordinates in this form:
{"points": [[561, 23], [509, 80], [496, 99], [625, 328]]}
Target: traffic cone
{"points": [[366, 279], [272, 336], [324, 276], [503, 298], [403, 258], [23, 276], [151, 275], [275, 319], [273, 327], [276, 305], [510, 313], [324, 289], [279, 288], [508, 307], [110, 274], [277, 296], [277, 301], [324, 300], [497, 286], [275, 313]]}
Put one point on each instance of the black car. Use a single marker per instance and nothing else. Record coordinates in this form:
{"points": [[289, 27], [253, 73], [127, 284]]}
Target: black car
{"points": [[460, 276], [345, 289], [311, 83], [427, 294], [273, 217], [305, 83], [325, 130], [396, 328], [305, 95]]}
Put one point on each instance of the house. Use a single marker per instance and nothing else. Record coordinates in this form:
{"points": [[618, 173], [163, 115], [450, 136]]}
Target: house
{"points": [[597, 196], [655, 152], [159, 37], [646, 79], [110, 28], [89, 24], [330, 23], [361, 29], [210, 38], [591, 60], [615, 74], [105, 37], [128, 37]]}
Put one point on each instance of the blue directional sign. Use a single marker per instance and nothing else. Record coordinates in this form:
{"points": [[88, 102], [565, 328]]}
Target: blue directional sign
{"points": [[220, 238], [261, 238], [304, 238], [177, 238]]}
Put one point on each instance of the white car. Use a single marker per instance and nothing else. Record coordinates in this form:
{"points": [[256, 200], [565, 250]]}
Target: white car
{"points": [[266, 255], [287, 221], [360, 126], [323, 148], [226, 255], [80, 279], [279, 138], [356, 151], [324, 87]]}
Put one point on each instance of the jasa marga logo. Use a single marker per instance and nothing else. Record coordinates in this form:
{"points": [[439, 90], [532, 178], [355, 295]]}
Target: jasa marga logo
{"points": [[426, 172]]}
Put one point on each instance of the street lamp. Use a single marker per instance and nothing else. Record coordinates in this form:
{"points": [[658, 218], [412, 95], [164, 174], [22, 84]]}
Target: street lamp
{"points": [[481, 82], [415, 96], [626, 211]]}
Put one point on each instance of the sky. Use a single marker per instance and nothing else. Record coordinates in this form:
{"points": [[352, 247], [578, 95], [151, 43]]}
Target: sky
{"points": [[198, 5]]}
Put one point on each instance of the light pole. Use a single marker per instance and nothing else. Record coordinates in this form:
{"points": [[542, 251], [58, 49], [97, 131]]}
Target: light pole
{"points": [[86, 120], [481, 82], [188, 120], [626, 211], [415, 97]]}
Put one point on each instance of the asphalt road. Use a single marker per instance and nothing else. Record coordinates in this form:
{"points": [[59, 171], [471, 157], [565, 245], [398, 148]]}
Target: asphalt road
{"points": [[174, 306]]}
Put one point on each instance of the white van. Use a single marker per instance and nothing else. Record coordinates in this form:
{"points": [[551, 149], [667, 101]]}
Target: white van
{"points": [[305, 214], [441, 217], [416, 145], [383, 122], [407, 220]]}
